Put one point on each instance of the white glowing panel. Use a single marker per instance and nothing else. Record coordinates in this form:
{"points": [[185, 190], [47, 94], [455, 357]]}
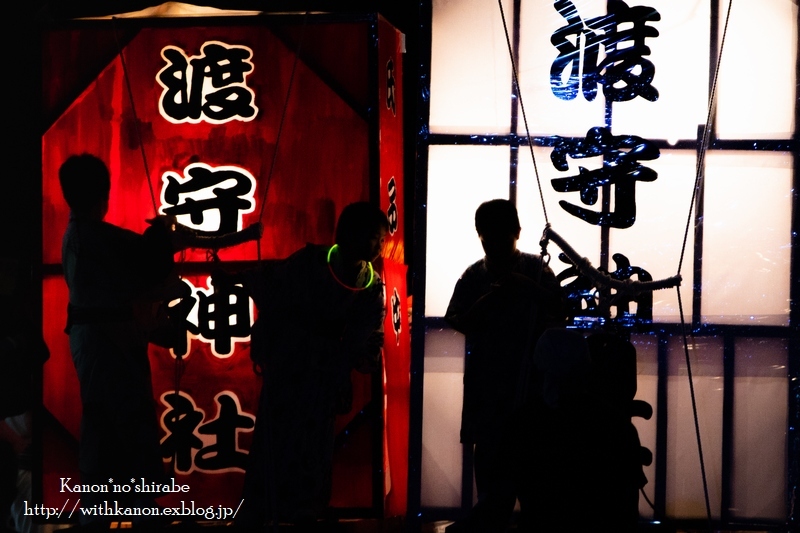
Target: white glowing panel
{"points": [[684, 481], [583, 237], [442, 453], [747, 238], [646, 390], [679, 54], [470, 69], [655, 240], [757, 79], [760, 418], [460, 178], [444, 353], [546, 113]]}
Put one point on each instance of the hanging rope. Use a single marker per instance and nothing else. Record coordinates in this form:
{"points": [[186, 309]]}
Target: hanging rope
{"points": [[705, 141], [280, 125], [135, 116], [601, 280], [694, 408], [522, 108]]}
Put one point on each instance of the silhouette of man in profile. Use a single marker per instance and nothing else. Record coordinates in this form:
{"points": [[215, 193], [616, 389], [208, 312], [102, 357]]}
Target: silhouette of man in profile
{"points": [[113, 275], [321, 313], [502, 304]]}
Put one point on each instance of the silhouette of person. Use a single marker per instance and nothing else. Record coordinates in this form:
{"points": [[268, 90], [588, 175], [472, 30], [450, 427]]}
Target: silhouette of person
{"points": [[8, 483], [502, 303], [585, 437], [108, 269], [320, 315], [22, 352]]}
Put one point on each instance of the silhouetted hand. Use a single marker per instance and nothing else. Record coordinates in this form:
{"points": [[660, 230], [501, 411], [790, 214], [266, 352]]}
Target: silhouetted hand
{"points": [[220, 278]]}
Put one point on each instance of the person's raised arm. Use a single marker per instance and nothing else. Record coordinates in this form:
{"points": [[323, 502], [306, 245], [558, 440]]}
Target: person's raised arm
{"points": [[183, 237], [468, 311]]}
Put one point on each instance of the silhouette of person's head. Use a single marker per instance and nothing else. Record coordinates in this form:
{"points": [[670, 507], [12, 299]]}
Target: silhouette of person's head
{"points": [[361, 231], [85, 184], [497, 224]]}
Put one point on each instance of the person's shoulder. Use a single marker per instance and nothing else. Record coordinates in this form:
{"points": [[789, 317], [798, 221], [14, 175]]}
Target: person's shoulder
{"points": [[315, 250], [530, 257], [526, 260], [476, 269], [376, 290], [100, 230], [376, 286], [474, 278], [308, 262], [377, 279], [309, 253], [112, 230]]}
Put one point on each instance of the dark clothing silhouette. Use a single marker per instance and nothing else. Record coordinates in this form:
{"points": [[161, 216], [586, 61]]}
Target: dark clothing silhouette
{"points": [[107, 269], [310, 333], [585, 459], [492, 419]]}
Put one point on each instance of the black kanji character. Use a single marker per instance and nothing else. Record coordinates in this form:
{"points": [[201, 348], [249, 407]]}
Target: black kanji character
{"points": [[180, 422], [581, 295], [178, 312], [175, 100], [569, 55], [644, 300], [621, 168], [224, 316], [624, 73], [186, 96], [390, 88], [396, 316], [392, 213], [627, 65], [225, 453]]}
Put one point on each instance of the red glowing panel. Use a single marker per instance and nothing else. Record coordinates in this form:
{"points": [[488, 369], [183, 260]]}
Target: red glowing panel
{"points": [[198, 138], [321, 164]]}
